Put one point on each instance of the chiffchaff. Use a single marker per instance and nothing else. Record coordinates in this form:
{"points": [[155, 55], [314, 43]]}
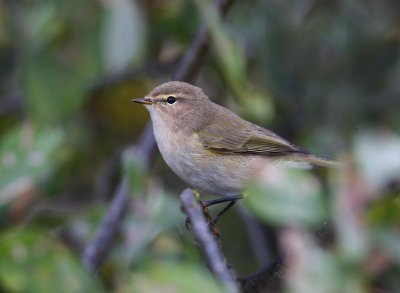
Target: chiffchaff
{"points": [[211, 148]]}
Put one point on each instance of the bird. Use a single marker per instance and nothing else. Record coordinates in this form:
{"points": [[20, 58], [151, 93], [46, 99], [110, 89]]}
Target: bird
{"points": [[211, 148]]}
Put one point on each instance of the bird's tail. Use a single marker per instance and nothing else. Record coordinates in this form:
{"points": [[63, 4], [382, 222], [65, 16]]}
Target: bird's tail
{"points": [[316, 161]]}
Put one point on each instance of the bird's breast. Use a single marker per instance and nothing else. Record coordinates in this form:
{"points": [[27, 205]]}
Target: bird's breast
{"points": [[203, 169]]}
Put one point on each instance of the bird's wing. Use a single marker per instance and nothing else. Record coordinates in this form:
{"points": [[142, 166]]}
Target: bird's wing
{"points": [[251, 140]]}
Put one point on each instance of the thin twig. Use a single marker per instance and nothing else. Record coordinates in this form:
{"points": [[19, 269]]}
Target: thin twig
{"points": [[269, 278], [11, 104], [71, 239], [96, 252], [258, 241], [146, 147], [206, 240], [194, 57], [192, 60], [266, 279], [98, 249]]}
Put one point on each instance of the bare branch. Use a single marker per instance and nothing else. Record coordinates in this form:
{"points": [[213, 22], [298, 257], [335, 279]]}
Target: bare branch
{"points": [[258, 241], [207, 241], [71, 239], [98, 249], [11, 104], [266, 279], [192, 60], [146, 147]]}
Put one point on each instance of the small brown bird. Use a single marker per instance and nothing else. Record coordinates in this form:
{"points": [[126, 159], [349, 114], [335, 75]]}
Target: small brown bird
{"points": [[211, 148]]}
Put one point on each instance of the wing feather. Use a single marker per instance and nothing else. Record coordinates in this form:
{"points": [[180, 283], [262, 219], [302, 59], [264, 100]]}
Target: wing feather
{"points": [[248, 140], [240, 136]]}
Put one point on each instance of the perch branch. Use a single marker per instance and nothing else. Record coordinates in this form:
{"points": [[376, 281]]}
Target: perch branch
{"points": [[266, 279], [207, 241]]}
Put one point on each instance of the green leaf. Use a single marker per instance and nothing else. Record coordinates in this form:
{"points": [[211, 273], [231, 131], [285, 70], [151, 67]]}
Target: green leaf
{"points": [[26, 154], [173, 277], [378, 156], [158, 213], [388, 241], [55, 91], [135, 171], [33, 262], [384, 212], [309, 268], [231, 60], [123, 34], [60, 57], [287, 197]]}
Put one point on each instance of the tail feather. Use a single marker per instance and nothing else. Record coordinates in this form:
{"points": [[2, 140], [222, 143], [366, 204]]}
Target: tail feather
{"points": [[316, 161]]}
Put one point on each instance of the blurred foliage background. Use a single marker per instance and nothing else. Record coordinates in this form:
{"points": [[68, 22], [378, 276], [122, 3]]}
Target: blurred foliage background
{"points": [[323, 74]]}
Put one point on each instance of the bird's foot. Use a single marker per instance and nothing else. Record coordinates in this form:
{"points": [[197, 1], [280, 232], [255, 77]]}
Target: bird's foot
{"points": [[188, 223], [231, 200], [212, 220]]}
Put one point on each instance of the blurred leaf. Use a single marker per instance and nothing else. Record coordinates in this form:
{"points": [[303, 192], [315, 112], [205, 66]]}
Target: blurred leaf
{"points": [[388, 240], [123, 34], [312, 269], [158, 213], [60, 57], [172, 277], [33, 262], [287, 197], [232, 62], [26, 154], [256, 104], [384, 212], [55, 91], [135, 171], [43, 24], [349, 200], [167, 211], [378, 157]]}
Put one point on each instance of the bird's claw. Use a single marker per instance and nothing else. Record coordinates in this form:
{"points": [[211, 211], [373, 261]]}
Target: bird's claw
{"points": [[188, 223]]}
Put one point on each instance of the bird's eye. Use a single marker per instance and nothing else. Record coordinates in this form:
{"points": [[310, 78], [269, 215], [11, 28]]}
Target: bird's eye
{"points": [[171, 100]]}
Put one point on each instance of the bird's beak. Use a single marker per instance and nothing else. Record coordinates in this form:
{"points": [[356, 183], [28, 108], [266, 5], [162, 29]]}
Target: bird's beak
{"points": [[144, 100]]}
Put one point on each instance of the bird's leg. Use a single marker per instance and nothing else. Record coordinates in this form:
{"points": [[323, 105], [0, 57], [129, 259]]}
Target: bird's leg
{"points": [[223, 211], [231, 201], [207, 203], [209, 219]]}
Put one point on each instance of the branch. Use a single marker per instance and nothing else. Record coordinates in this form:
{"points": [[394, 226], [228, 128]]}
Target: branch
{"points": [[98, 249], [11, 104], [96, 252], [266, 279], [269, 278], [192, 60], [207, 241], [260, 246]]}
